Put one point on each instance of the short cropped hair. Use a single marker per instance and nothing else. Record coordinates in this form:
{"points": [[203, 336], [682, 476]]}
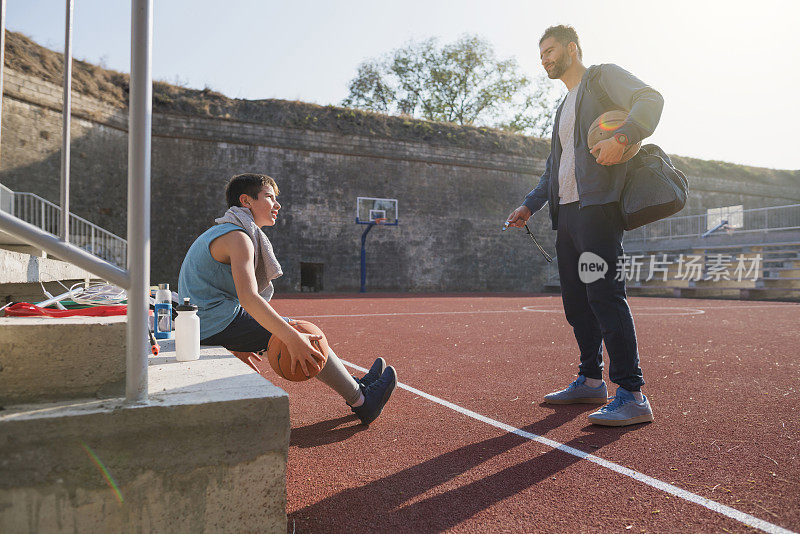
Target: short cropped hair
{"points": [[564, 35], [249, 184]]}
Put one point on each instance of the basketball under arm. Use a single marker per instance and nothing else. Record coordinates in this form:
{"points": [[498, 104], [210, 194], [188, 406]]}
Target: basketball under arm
{"points": [[629, 92]]}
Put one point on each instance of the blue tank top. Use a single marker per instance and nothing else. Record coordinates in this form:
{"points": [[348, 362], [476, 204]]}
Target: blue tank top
{"points": [[209, 283]]}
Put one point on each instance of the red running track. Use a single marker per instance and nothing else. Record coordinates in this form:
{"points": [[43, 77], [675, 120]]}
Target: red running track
{"points": [[722, 377]]}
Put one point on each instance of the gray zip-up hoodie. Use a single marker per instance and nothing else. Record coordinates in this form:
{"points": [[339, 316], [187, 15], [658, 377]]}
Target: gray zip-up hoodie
{"points": [[598, 184]]}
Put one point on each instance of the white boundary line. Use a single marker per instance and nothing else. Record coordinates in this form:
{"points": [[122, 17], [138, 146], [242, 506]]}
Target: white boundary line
{"points": [[680, 311], [407, 313], [666, 487], [526, 309], [786, 305], [637, 312]]}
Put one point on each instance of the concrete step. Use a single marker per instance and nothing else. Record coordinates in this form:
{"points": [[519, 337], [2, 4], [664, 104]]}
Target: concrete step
{"points": [[658, 282], [781, 272], [20, 274], [654, 291], [726, 284], [709, 292], [783, 282], [10, 242], [770, 293], [45, 358], [207, 453]]}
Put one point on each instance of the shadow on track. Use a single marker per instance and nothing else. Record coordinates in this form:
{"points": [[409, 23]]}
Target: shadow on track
{"points": [[325, 432], [380, 505]]}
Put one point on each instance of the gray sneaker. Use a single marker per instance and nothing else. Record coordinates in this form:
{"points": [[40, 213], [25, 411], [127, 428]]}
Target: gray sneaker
{"points": [[623, 410], [579, 392]]}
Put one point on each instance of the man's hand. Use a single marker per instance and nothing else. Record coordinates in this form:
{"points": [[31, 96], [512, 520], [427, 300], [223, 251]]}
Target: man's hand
{"points": [[303, 353], [608, 152], [519, 217]]}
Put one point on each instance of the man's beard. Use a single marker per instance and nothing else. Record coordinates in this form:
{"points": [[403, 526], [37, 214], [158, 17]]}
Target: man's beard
{"points": [[560, 67]]}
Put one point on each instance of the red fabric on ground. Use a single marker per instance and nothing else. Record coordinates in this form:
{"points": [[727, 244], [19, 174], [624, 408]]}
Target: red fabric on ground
{"points": [[25, 309]]}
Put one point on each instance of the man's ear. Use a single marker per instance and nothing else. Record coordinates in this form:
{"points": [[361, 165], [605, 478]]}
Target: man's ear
{"points": [[572, 48], [244, 200]]}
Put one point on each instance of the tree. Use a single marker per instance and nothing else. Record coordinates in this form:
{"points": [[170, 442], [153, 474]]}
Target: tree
{"points": [[462, 82], [536, 113]]}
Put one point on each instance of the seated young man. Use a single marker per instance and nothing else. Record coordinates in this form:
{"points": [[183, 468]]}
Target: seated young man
{"points": [[227, 273]]}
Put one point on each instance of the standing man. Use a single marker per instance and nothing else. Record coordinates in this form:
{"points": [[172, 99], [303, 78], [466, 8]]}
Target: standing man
{"points": [[583, 190]]}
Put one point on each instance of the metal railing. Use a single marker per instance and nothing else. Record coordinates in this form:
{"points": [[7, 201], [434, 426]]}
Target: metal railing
{"points": [[6, 199], [44, 214], [136, 279], [773, 218]]}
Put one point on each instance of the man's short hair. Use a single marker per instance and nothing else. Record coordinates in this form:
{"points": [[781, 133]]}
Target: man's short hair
{"points": [[249, 184], [564, 35]]}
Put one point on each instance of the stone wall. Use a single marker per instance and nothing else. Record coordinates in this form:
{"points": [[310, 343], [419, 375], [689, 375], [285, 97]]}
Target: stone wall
{"points": [[452, 200]]}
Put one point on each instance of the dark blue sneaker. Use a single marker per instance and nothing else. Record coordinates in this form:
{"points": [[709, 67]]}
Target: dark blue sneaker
{"points": [[376, 395], [374, 373]]}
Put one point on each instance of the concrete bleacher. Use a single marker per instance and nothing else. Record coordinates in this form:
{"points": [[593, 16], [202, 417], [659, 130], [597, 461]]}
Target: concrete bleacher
{"points": [[777, 275], [207, 452]]}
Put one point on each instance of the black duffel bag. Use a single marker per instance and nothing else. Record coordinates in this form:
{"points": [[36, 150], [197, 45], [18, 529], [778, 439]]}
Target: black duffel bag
{"points": [[654, 188]]}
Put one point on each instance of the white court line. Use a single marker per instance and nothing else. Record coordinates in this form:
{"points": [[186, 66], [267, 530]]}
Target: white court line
{"points": [[525, 309], [636, 311], [787, 305], [666, 487], [409, 313]]}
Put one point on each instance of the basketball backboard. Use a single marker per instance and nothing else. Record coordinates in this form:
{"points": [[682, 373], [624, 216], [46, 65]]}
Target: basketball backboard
{"points": [[368, 209]]}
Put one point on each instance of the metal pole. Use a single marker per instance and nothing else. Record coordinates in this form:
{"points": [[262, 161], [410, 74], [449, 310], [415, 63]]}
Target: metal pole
{"points": [[364, 257], [2, 54], [65, 137], [139, 121]]}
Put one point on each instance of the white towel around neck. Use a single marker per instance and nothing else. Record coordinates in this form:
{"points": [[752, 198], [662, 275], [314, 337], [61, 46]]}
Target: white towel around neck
{"points": [[266, 264]]}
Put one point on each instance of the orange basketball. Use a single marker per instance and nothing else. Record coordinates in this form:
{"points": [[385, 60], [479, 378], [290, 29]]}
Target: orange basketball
{"points": [[604, 127], [278, 354]]}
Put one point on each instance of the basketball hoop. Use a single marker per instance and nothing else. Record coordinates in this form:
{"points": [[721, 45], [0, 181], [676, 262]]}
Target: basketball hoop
{"points": [[372, 212]]}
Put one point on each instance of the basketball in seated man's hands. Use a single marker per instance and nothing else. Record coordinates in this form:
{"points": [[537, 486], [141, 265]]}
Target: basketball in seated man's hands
{"points": [[228, 273]]}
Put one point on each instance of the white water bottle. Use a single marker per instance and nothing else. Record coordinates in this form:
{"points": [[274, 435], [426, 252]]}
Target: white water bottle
{"points": [[187, 332]]}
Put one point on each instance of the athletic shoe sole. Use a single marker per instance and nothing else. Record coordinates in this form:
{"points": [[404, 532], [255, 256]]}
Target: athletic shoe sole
{"points": [[580, 400], [390, 390], [646, 418]]}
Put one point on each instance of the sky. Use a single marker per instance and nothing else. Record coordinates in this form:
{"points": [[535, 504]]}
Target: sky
{"points": [[728, 70]]}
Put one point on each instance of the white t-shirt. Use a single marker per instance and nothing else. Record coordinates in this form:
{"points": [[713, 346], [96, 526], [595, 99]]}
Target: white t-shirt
{"points": [[567, 186]]}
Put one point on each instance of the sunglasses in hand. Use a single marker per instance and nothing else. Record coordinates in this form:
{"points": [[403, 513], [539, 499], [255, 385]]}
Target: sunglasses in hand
{"points": [[535, 242]]}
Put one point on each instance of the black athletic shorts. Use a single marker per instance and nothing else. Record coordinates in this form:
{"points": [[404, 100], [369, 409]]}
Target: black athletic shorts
{"points": [[244, 334]]}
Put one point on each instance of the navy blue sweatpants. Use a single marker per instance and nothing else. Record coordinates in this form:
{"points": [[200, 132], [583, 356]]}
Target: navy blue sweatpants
{"points": [[598, 312]]}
